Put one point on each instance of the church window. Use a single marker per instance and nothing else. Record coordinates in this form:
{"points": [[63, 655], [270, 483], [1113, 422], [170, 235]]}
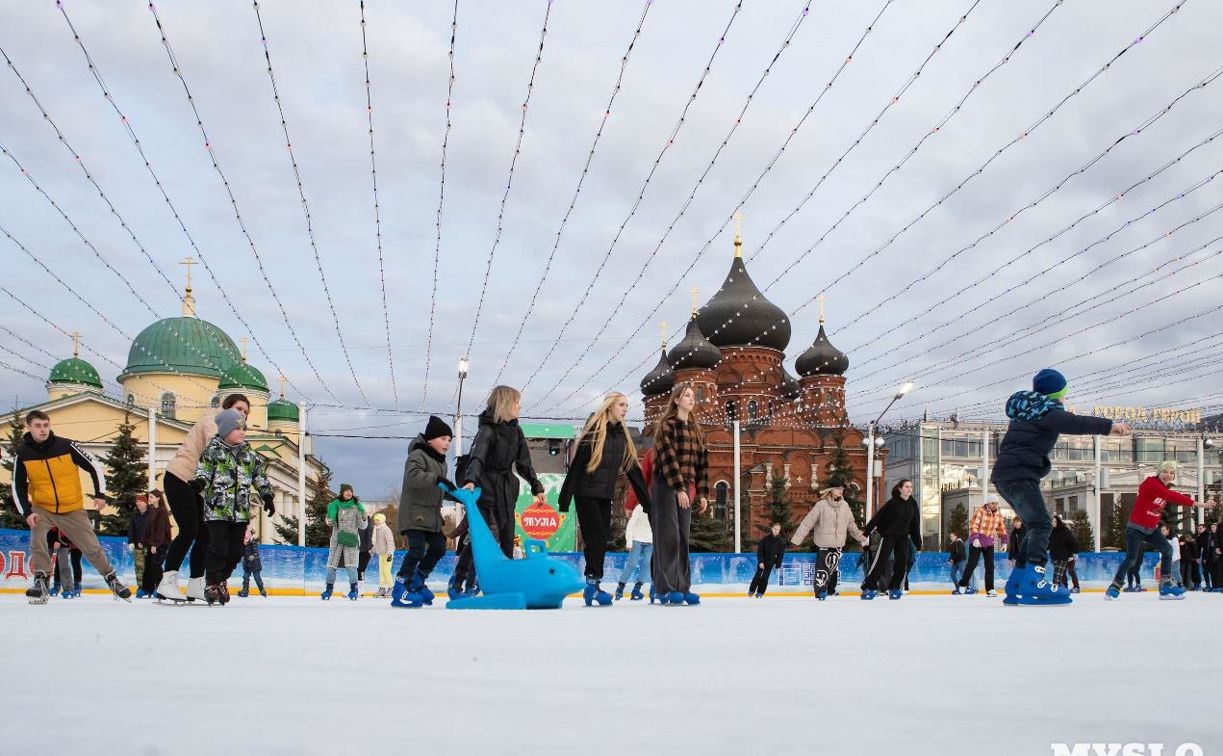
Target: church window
{"points": [[216, 401], [721, 498], [732, 413], [753, 411], [169, 404]]}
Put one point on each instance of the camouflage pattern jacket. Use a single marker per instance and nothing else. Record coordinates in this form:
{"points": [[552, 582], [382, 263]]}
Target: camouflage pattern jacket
{"points": [[232, 480]]}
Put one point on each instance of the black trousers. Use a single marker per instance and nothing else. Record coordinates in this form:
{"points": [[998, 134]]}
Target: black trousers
{"points": [[152, 568], [760, 581], [362, 563], [594, 520], [898, 548], [224, 549], [1216, 573], [827, 567], [975, 553], [188, 509], [1189, 573], [425, 549]]}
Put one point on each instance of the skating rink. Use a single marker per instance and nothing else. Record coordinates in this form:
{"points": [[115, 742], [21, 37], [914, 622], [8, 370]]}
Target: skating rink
{"points": [[923, 675]]}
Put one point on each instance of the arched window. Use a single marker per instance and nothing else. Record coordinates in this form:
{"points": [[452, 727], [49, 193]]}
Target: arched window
{"points": [[216, 401], [732, 413], [700, 394], [771, 409], [131, 400], [721, 498], [753, 411], [169, 404]]}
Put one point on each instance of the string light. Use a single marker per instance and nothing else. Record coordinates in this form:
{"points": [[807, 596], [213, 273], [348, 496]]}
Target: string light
{"points": [[785, 44], [301, 192], [373, 173], [607, 111], [233, 201], [679, 124], [509, 181], [96, 72], [441, 200]]}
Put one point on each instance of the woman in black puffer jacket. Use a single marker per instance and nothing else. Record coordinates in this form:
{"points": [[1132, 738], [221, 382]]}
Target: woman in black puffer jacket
{"points": [[605, 451]]}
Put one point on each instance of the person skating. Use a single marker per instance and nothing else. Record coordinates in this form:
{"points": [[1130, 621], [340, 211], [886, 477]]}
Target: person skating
{"points": [[384, 553], [899, 522], [252, 565], [158, 537], [497, 450], [1189, 556], [956, 557], [366, 551], [137, 526], [640, 540], [605, 451], [346, 516], [1175, 572], [47, 493], [985, 530], [420, 514], [681, 475], [1037, 419], [1062, 550], [769, 554], [832, 521], [1154, 494], [1209, 553], [188, 508], [230, 476], [60, 549]]}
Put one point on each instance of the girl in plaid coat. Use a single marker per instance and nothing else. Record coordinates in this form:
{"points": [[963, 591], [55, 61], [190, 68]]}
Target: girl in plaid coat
{"points": [[681, 479]]}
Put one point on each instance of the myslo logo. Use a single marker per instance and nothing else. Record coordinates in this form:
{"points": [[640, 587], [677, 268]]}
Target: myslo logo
{"points": [[1125, 749]]}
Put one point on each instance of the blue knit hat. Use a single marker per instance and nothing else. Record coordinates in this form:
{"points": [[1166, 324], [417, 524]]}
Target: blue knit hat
{"points": [[228, 421], [1050, 383]]}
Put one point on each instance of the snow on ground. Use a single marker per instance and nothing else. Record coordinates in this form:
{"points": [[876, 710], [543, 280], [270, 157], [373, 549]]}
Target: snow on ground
{"points": [[924, 675]]}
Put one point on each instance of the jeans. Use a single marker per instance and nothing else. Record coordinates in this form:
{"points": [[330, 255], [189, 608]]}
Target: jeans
{"points": [[638, 556], [425, 549], [957, 572], [1025, 498], [1135, 539], [246, 579]]}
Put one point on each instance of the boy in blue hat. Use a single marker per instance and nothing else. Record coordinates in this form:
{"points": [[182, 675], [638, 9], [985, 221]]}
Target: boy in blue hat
{"points": [[1037, 419]]}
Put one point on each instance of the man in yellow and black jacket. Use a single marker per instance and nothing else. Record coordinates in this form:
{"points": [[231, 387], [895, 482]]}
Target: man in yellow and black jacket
{"points": [[47, 492]]}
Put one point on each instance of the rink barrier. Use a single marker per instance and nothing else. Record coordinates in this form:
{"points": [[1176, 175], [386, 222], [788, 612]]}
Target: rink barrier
{"points": [[295, 570]]}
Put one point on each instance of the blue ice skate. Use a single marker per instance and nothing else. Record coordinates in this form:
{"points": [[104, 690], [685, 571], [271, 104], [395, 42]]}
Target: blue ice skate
{"points": [[594, 594], [1112, 593], [1170, 592], [326, 594], [822, 596], [868, 595], [1033, 589], [691, 599], [637, 595], [896, 595], [536, 582]]}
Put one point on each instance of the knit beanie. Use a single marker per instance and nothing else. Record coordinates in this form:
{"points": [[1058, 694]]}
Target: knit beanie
{"points": [[437, 428], [228, 421], [379, 518], [345, 487], [1050, 383]]}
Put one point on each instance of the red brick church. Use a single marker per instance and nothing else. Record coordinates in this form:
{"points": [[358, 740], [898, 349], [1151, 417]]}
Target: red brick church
{"points": [[734, 354]]}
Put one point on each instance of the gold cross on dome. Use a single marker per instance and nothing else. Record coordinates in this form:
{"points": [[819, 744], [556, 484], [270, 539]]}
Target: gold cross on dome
{"points": [[76, 343], [821, 298], [663, 330], [188, 262], [282, 386], [695, 290], [243, 341]]}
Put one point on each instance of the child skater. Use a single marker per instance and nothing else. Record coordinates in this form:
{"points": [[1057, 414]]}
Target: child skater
{"points": [[420, 514], [252, 565], [605, 451]]}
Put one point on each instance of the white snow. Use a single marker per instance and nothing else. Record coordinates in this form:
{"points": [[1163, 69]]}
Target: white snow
{"points": [[924, 675]]}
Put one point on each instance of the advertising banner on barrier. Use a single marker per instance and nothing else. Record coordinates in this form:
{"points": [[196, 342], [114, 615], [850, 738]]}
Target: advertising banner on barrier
{"points": [[290, 569], [545, 522]]}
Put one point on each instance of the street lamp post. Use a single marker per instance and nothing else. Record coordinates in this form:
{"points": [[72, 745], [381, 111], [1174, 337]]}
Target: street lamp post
{"points": [[458, 412], [872, 442]]}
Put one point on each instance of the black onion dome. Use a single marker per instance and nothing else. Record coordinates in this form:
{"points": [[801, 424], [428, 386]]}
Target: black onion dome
{"points": [[790, 388], [660, 380], [822, 358], [739, 315], [694, 351]]}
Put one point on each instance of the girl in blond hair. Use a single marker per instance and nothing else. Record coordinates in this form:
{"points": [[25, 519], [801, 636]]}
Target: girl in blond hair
{"points": [[605, 451], [499, 448], [680, 481]]}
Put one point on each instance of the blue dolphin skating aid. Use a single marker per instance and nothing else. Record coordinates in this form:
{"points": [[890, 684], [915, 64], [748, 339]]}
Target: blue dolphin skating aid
{"points": [[536, 582]]}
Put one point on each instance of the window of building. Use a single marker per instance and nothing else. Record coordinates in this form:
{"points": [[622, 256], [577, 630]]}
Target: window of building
{"points": [[169, 404], [1074, 503], [753, 411], [732, 413], [700, 393], [216, 401], [771, 408], [721, 498], [131, 400]]}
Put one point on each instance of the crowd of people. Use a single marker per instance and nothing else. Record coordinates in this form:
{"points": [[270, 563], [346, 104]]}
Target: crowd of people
{"points": [[216, 480]]}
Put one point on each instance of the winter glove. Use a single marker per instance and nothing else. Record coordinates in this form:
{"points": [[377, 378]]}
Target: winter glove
{"points": [[976, 542], [446, 482], [268, 506]]}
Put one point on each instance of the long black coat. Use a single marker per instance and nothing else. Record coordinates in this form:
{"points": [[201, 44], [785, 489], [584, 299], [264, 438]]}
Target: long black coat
{"points": [[601, 484], [497, 450]]}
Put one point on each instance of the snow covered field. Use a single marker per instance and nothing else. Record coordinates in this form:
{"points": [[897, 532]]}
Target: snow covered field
{"points": [[924, 675]]}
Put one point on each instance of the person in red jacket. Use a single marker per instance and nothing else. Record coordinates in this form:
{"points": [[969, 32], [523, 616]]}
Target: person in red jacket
{"points": [[1153, 495]]}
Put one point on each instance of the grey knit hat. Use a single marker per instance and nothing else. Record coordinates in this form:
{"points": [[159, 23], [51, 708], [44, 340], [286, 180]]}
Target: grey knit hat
{"points": [[228, 421]]}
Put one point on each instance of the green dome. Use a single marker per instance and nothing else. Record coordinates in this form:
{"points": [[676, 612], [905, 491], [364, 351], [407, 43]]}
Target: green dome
{"points": [[186, 345], [75, 370], [243, 376], [283, 410]]}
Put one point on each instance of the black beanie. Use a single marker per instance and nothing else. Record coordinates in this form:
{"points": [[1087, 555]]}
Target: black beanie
{"points": [[437, 428]]}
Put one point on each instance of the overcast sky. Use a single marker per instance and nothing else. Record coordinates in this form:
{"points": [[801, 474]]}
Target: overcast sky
{"points": [[1050, 307]]}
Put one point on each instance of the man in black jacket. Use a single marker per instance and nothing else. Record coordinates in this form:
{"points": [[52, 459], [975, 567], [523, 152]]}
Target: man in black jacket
{"points": [[769, 553], [1037, 419]]}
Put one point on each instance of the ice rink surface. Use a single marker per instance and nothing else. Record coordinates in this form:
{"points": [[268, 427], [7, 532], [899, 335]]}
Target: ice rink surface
{"points": [[923, 675]]}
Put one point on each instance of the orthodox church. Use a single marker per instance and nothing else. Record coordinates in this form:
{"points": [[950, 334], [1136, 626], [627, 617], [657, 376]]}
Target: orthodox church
{"points": [[734, 355], [177, 370]]}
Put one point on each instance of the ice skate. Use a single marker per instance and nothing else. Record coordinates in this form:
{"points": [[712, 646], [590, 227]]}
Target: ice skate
{"points": [[195, 589], [38, 593], [116, 587]]}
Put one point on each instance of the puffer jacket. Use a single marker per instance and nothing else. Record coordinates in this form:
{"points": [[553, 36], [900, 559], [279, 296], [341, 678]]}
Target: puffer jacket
{"points": [[384, 540], [498, 449], [420, 499], [1036, 422], [1062, 544], [601, 484], [831, 520], [187, 456], [232, 479]]}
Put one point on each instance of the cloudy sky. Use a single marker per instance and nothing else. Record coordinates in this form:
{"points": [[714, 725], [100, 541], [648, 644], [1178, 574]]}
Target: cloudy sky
{"points": [[1008, 239]]}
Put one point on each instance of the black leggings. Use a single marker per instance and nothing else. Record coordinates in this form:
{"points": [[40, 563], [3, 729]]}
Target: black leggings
{"points": [[188, 509], [594, 519], [224, 549], [898, 548], [975, 553]]}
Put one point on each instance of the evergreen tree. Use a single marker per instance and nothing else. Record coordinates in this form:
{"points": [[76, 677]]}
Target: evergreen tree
{"points": [[126, 478], [840, 472], [1113, 534], [1080, 527], [8, 511], [779, 508], [709, 533], [318, 532], [957, 523]]}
